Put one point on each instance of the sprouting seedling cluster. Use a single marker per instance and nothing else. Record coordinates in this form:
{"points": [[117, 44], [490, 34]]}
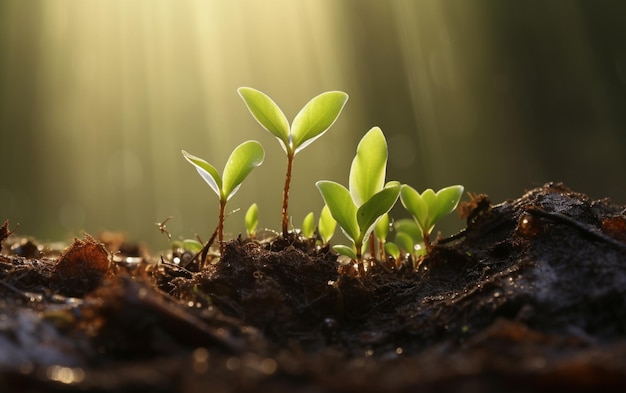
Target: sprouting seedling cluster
{"points": [[358, 209], [361, 210]]}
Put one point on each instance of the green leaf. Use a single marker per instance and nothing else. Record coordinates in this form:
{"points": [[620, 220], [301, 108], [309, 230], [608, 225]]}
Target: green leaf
{"points": [[381, 229], [447, 200], [268, 114], [367, 173], [409, 227], [345, 250], [416, 205], [430, 199], [315, 118], [376, 206], [192, 245], [241, 162], [341, 206], [252, 219], [206, 171], [405, 242], [308, 225], [393, 250], [326, 225]]}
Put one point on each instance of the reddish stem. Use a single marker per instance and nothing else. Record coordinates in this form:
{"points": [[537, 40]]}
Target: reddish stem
{"points": [[372, 245], [427, 244], [286, 195]]}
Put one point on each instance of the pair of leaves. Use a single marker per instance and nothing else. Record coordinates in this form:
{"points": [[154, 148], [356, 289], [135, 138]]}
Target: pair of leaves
{"points": [[241, 162], [313, 120], [429, 207], [357, 221]]}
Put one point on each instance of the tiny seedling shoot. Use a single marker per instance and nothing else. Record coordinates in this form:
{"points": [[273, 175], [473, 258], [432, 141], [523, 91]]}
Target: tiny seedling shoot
{"points": [[251, 220], [241, 162], [358, 210], [313, 120], [326, 225], [429, 207]]}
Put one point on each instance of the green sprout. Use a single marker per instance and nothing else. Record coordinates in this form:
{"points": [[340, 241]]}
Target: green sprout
{"points": [[313, 120], [381, 230], [241, 162], [326, 225], [409, 238], [429, 207], [251, 220], [192, 245], [358, 210], [308, 226], [393, 250]]}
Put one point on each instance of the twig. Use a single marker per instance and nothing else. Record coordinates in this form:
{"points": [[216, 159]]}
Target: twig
{"points": [[584, 228]]}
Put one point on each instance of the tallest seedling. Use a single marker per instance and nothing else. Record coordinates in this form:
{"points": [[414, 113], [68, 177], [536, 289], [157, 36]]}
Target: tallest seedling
{"points": [[313, 120]]}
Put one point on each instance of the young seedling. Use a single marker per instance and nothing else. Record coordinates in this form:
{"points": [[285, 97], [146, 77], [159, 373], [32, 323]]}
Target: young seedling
{"points": [[357, 210], [326, 225], [429, 207], [313, 120], [241, 162], [409, 238], [381, 230], [308, 226], [252, 220]]}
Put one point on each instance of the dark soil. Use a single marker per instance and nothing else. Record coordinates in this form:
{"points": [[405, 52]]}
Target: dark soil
{"points": [[530, 297]]}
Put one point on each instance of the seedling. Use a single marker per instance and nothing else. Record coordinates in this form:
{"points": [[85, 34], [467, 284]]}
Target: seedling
{"points": [[252, 220], [326, 225], [313, 120], [409, 238], [429, 207], [241, 162], [381, 230], [308, 226], [357, 210]]}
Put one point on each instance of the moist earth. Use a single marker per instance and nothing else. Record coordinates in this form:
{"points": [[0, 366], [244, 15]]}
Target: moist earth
{"points": [[530, 296]]}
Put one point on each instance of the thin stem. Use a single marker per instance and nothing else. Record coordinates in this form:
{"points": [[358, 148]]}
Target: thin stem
{"points": [[359, 259], [372, 245], [286, 194], [220, 227], [382, 254], [427, 244]]}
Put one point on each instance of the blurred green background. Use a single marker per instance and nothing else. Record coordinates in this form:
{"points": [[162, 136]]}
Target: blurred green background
{"points": [[97, 98]]}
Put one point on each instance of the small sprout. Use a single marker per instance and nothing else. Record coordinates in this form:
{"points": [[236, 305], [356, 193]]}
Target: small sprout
{"points": [[308, 226], [409, 239], [393, 250], [192, 245], [313, 120], [326, 225], [357, 210], [252, 220], [381, 230], [241, 162], [429, 207]]}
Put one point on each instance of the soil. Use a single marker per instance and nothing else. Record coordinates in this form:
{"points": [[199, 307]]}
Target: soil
{"points": [[530, 297]]}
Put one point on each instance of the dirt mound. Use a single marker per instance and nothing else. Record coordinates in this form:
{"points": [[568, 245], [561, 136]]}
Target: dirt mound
{"points": [[531, 296]]}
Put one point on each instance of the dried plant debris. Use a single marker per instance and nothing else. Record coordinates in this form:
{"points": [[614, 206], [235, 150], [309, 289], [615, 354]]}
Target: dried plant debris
{"points": [[81, 267], [531, 296]]}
